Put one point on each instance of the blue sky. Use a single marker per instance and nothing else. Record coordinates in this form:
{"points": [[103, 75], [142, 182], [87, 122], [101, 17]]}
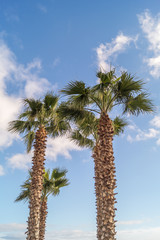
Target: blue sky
{"points": [[47, 43]]}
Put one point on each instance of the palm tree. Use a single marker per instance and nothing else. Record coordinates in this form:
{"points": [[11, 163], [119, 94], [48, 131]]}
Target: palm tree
{"points": [[84, 102], [51, 186], [39, 119]]}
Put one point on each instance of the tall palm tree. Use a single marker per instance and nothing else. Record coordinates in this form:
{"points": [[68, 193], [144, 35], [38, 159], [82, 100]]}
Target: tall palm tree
{"points": [[39, 119], [52, 183], [83, 102]]}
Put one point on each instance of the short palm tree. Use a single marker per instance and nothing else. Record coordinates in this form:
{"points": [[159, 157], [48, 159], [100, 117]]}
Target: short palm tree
{"points": [[110, 93], [39, 119], [52, 183]]}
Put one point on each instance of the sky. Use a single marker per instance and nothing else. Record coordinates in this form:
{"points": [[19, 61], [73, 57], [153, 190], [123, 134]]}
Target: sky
{"points": [[44, 45]]}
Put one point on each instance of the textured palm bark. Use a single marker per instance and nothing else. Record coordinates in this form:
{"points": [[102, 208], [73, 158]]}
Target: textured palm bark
{"points": [[105, 181], [43, 216], [36, 184]]}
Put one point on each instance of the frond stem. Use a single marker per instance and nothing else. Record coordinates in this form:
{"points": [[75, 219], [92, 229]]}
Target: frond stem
{"points": [[88, 109], [97, 103]]}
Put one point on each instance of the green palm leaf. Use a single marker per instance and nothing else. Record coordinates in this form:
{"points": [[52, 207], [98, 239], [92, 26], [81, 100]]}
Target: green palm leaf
{"points": [[138, 104], [39, 113]]}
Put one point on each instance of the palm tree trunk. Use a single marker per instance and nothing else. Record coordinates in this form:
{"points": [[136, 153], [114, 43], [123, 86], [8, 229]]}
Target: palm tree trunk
{"points": [[36, 184], [43, 216], [105, 181]]}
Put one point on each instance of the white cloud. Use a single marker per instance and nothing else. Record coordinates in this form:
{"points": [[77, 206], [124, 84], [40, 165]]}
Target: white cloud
{"points": [[108, 50], [151, 133], [16, 231], [12, 231], [4, 227], [1, 170], [132, 127], [9, 105], [144, 135], [136, 134], [36, 87], [72, 234], [20, 161], [158, 142], [154, 64], [23, 81], [131, 222], [56, 62], [60, 146], [140, 233], [155, 121], [151, 28]]}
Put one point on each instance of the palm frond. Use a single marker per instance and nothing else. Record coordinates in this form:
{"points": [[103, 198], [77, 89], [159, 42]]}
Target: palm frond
{"points": [[50, 101], [81, 140], [23, 196], [118, 125], [57, 127], [58, 173], [63, 182], [88, 126], [32, 105], [29, 139], [74, 88], [51, 184], [106, 78], [17, 126], [67, 111], [127, 86], [78, 92], [138, 104]]}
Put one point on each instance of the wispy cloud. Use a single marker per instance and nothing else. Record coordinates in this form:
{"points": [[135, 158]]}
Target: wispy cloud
{"points": [[11, 15], [72, 234], [155, 121], [56, 61], [151, 27], [109, 50], [1, 170], [42, 8], [131, 222], [153, 132]]}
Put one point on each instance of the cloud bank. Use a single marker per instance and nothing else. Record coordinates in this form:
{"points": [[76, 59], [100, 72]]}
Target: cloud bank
{"points": [[16, 231]]}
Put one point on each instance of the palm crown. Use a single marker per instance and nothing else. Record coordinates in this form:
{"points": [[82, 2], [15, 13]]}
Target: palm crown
{"points": [[52, 182], [109, 92], [39, 113]]}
